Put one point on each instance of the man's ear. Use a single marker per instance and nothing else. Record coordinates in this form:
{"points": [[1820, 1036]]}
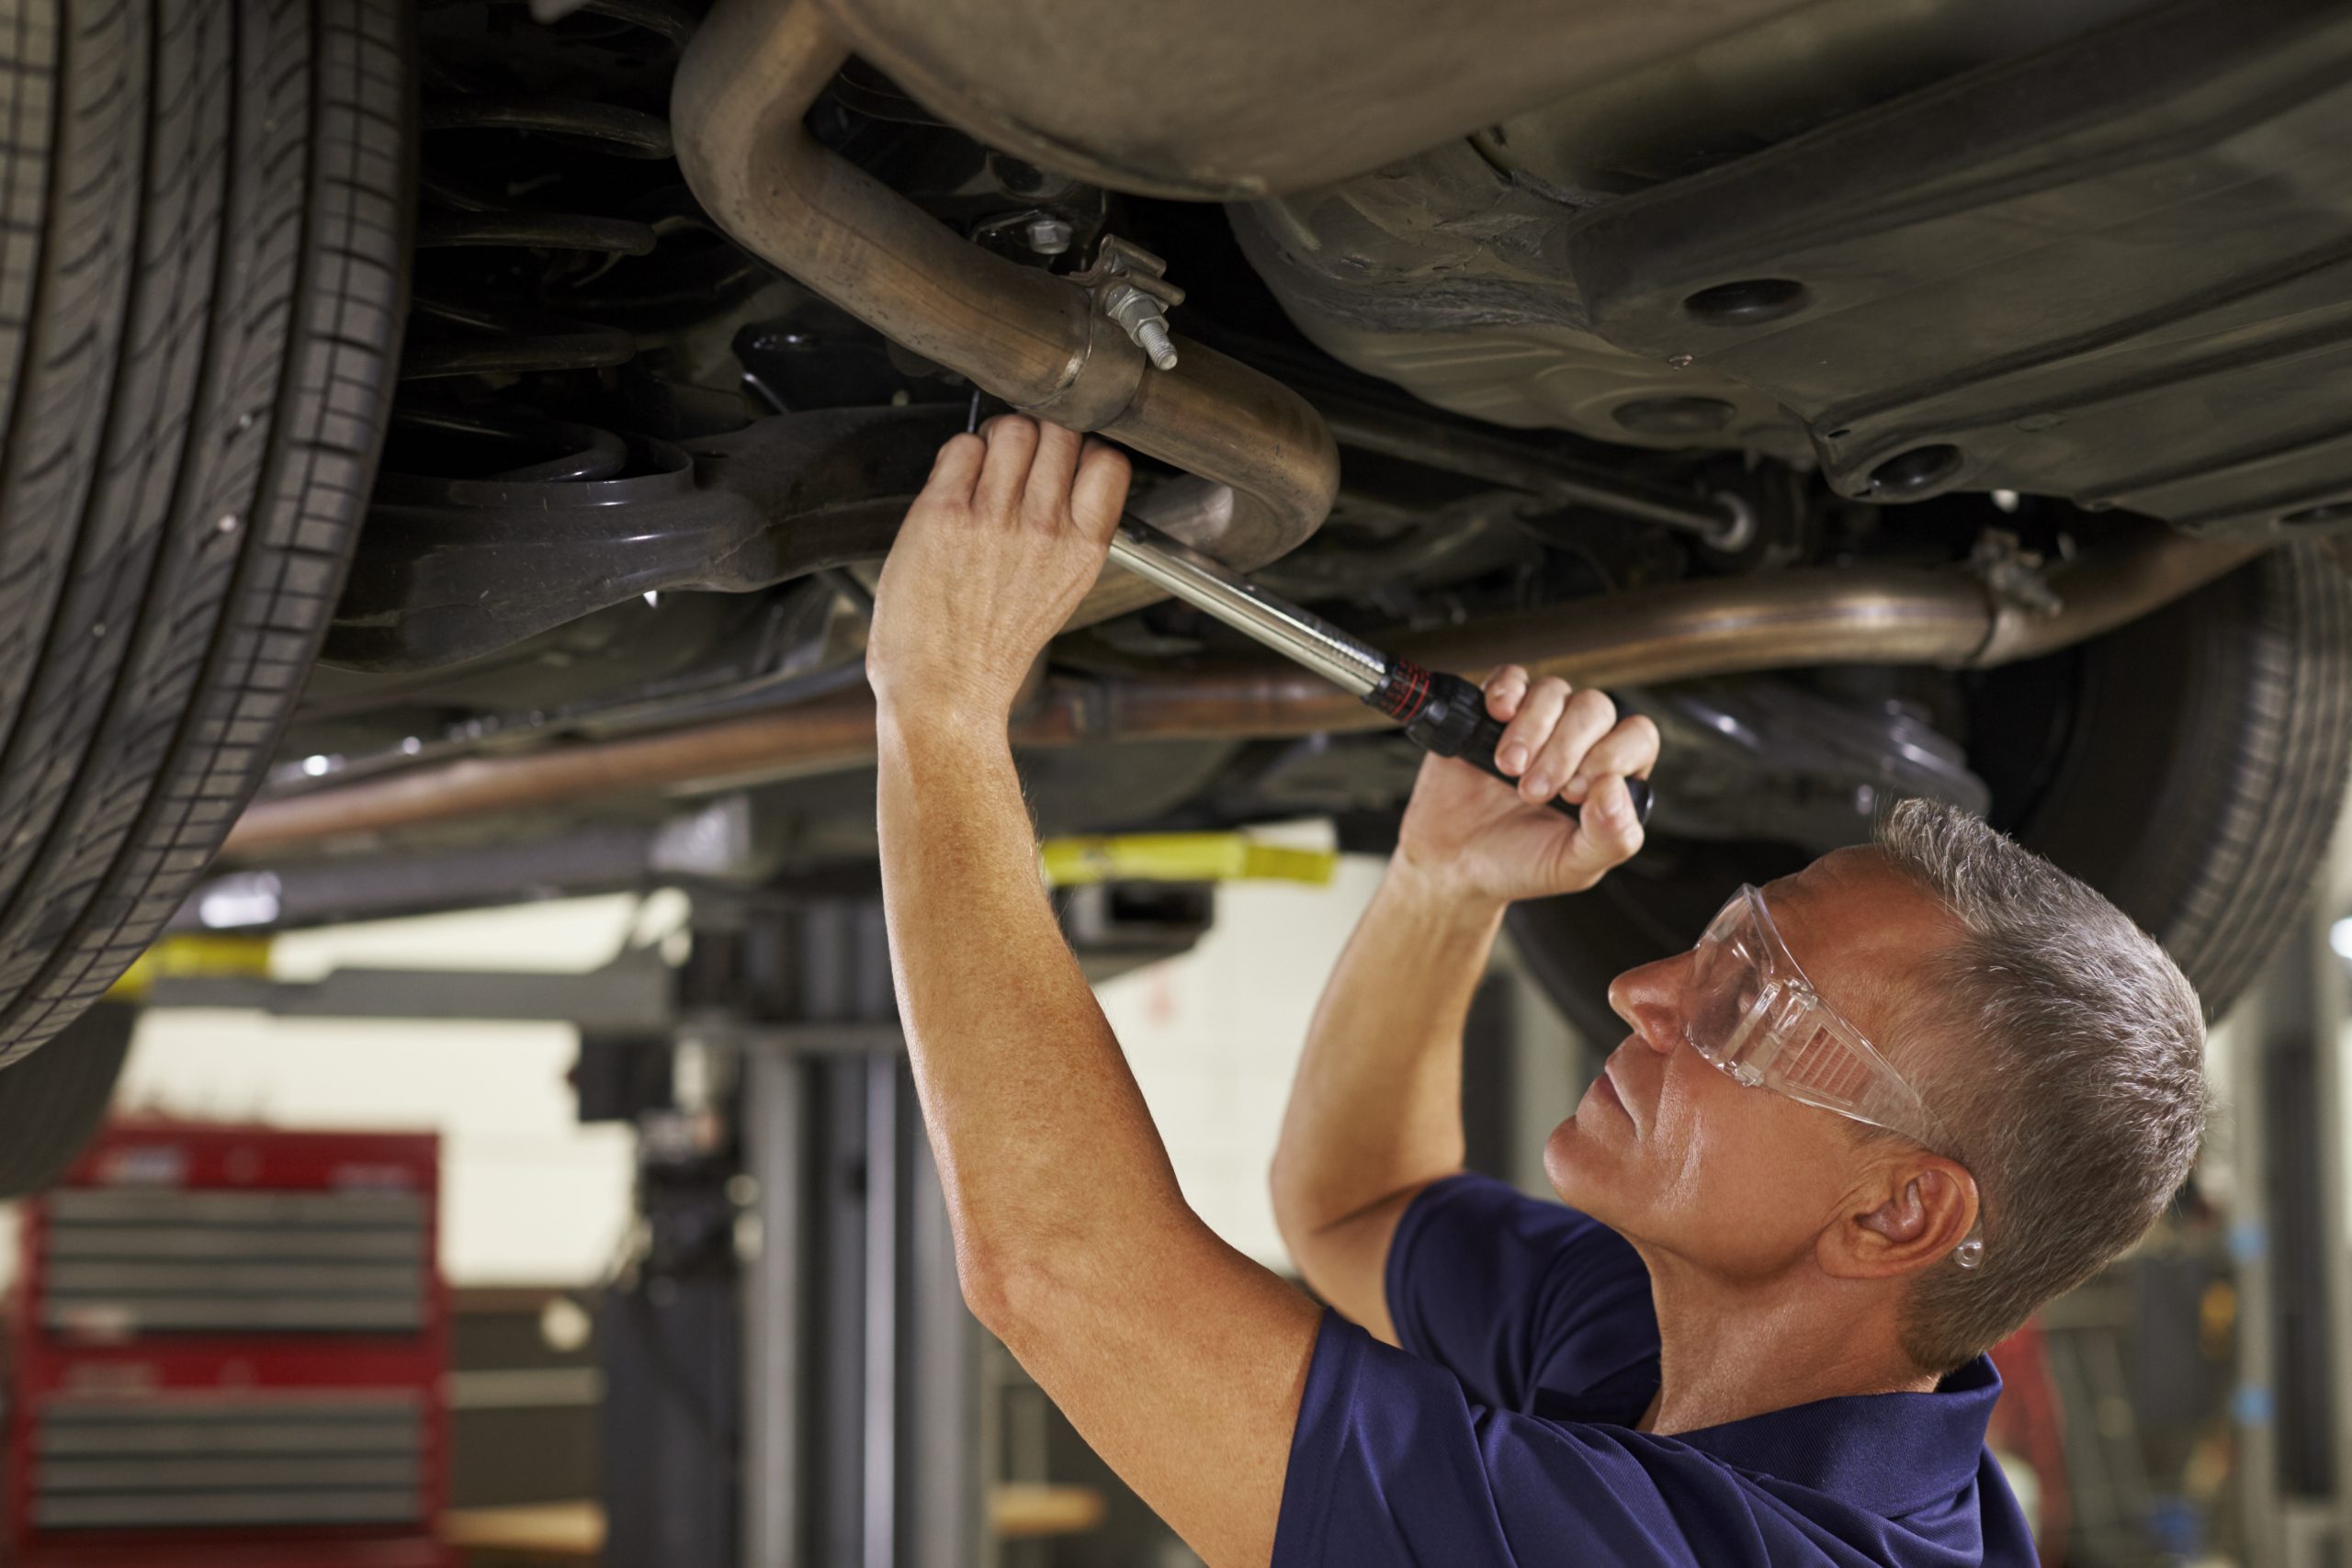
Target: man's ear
{"points": [[1914, 1214]]}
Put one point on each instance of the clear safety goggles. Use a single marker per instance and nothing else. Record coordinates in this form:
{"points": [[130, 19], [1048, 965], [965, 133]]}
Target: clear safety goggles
{"points": [[1749, 1008]]}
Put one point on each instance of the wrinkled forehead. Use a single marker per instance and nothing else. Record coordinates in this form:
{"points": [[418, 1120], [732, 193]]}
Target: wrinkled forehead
{"points": [[1864, 934]]}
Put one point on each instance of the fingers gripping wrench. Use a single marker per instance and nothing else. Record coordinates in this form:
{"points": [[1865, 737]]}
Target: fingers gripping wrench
{"points": [[1442, 713]]}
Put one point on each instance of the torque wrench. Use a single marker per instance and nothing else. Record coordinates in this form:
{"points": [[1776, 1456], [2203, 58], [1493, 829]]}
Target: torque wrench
{"points": [[1442, 713]]}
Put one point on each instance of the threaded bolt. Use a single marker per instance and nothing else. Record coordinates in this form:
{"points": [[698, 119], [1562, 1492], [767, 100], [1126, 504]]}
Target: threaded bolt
{"points": [[1139, 313], [1152, 335]]}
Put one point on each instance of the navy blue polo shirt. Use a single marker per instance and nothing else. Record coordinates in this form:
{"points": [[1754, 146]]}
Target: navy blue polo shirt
{"points": [[1503, 1432]]}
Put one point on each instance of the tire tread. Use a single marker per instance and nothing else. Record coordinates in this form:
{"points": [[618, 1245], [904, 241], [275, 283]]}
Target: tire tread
{"points": [[204, 325]]}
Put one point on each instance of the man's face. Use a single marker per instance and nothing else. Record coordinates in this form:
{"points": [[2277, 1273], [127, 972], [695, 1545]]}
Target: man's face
{"points": [[1673, 1154]]}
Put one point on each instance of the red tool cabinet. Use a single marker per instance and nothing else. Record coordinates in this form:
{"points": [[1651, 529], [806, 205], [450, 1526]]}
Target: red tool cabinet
{"points": [[228, 1346]]}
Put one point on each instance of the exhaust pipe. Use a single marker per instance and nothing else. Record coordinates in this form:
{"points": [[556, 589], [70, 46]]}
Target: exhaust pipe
{"points": [[1036, 340], [1725, 625]]}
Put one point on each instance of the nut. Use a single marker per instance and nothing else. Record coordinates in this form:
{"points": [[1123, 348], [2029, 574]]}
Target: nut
{"points": [[1139, 313], [1048, 236]]}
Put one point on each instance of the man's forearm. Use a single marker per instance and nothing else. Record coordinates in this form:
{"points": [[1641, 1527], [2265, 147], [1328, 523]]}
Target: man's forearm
{"points": [[1376, 1107], [1040, 1131], [1180, 1361]]}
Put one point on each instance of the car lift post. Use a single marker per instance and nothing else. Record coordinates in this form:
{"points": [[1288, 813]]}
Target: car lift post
{"points": [[861, 1405]]}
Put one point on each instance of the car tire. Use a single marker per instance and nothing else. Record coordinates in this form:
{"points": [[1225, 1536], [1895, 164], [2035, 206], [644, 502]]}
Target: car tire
{"points": [[202, 286], [2190, 766], [52, 1101]]}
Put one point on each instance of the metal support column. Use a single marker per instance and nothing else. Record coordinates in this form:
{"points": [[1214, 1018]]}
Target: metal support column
{"points": [[881, 1325], [949, 1456], [861, 1420], [774, 1140], [2331, 1005], [2294, 1269]]}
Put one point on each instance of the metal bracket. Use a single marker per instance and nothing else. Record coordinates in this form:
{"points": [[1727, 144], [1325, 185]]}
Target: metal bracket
{"points": [[2019, 596], [2013, 575], [1120, 261]]}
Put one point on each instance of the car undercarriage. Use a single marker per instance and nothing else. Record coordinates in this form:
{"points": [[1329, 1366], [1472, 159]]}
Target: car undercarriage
{"points": [[1941, 403]]}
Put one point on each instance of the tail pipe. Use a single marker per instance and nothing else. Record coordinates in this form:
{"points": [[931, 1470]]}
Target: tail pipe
{"points": [[1037, 341]]}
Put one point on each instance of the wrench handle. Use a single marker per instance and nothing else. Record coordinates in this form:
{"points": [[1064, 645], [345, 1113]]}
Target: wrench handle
{"points": [[1447, 715]]}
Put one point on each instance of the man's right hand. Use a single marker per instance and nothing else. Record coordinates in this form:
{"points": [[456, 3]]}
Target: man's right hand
{"points": [[1477, 837]]}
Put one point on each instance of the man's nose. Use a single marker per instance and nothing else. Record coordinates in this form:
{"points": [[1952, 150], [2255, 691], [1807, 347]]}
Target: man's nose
{"points": [[1650, 999]]}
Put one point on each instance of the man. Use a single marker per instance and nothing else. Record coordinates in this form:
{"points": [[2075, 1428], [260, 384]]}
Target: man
{"points": [[1886, 1108]]}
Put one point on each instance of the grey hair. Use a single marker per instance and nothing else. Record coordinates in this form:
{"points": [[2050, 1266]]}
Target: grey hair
{"points": [[2068, 1062]]}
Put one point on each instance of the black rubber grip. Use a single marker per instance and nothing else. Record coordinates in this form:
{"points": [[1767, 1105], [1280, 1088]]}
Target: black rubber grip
{"points": [[1487, 736], [1447, 715]]}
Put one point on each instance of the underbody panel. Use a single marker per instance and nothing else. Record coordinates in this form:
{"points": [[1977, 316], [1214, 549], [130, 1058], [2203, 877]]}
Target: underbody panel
{"points": [[2117, 270]]}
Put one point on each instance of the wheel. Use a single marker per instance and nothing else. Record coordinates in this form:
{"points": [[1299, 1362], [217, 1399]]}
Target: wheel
{"points": [[52, 1101], [2189, 766], [202, 281]]}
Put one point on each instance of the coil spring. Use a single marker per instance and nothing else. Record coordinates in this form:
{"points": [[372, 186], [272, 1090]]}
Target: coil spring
{"points": [[569, 452], [463, 323]]}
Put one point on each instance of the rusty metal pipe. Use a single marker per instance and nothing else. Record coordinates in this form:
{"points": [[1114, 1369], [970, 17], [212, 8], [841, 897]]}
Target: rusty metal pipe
{"points": [[1946, 617], [1036, 340], [1730, 626], [814, 738], [1723, 626]]}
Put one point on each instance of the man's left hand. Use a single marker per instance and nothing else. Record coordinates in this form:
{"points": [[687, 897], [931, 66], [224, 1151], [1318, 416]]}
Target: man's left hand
{"points": [[1009, 533]]}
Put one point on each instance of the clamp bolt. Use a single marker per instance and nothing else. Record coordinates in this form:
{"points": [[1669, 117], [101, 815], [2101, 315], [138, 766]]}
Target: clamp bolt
{"points": [[1139, 313], [1129, 286]]}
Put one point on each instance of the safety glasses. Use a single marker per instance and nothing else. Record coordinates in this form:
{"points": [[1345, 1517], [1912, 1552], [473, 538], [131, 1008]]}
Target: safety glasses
{"points": [[1749, 1008]]}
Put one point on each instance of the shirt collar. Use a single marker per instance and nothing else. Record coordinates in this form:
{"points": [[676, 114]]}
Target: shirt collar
{"points": [[1890, 1453]]}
